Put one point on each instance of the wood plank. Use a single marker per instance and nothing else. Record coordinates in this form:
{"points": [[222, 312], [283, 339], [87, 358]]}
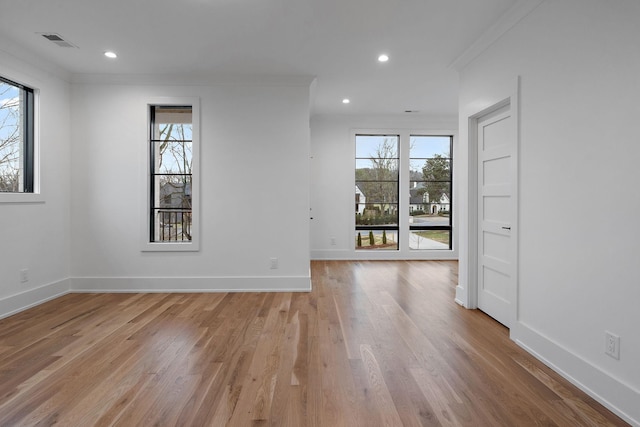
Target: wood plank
{"points": [[374, 343]]}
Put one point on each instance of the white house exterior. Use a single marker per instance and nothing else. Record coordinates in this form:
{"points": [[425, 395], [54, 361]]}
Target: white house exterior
{"points": [[420, 201], [361, 201]]}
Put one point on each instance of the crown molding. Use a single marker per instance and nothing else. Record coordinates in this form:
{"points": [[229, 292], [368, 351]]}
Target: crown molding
{"points": [[507, 21]]}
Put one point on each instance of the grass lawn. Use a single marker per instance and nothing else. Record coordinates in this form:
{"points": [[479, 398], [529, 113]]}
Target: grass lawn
{"points": [[441, 236]]}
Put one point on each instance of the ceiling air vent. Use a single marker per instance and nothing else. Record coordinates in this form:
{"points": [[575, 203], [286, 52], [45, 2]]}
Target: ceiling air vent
{"points": [[57, 39]]}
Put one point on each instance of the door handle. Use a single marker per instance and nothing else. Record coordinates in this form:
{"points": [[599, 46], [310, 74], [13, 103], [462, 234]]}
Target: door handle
{"points": [[506, 228]]}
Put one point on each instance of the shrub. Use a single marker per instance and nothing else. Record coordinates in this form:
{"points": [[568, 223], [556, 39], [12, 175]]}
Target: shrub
{"points": [[371, 239], [359, 240]]}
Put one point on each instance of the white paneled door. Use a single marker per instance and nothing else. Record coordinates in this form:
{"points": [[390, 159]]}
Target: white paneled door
{"points": [[496, 211]]}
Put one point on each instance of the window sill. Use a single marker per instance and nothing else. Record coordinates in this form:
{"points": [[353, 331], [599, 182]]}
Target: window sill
{"points": [[19, 198], [171, 247]]}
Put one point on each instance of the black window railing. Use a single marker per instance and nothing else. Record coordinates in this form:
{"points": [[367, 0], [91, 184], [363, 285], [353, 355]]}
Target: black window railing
{"points": [[174, 225]]}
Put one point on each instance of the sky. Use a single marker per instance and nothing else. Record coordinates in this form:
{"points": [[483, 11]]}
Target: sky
{"points": [[422, 147], [9, 98], [172, 159], [9, 104]]}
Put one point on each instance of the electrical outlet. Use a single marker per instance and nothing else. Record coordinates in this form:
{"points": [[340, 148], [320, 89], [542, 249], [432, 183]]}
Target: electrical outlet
{"points": [[612, 345], [333, 241], [24, 275], [274, 263]]}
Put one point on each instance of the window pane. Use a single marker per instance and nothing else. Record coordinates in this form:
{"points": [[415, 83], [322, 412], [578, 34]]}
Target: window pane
{"points": [[174, 156], [366, 169], [379, 191], [378, 214], [173, 114], [425, 147], [172, 225], [10, 137], [174, 131], [16, 138], [376, 190], [377, 146], [415, 166], [418, 198], [377, 239], [430, 192], [174, 192], [426, 219], [429, 239], [435, 169]]}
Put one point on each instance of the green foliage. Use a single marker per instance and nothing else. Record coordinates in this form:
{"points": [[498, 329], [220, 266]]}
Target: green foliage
{"points": [[376, 219], [436, 173]]}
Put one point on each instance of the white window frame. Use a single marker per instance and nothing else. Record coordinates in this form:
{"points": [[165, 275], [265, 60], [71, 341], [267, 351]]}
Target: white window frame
{"points": [[186, 246], [403, 251]]}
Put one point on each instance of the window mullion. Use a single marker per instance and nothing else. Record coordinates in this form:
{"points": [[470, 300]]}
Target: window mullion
{"points": [[403, 208]]}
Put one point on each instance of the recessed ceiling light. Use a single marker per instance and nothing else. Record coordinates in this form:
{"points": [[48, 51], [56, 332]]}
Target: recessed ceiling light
{"points": [[110, 54], [383, 58], [346, 101]]}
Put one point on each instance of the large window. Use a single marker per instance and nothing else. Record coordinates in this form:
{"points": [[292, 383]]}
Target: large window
{"points": [[16, 138], [171, 183], [430, 192], [403, 192], [376, 192]]}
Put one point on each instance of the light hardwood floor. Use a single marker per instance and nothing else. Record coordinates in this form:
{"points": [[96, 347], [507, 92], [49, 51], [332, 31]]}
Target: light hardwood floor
{"points": [[374, 344]]}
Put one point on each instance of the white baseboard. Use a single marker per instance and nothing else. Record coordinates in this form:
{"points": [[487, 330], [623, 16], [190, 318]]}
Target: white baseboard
{"points": [[621, 399], [24, 300], [461, 296], [330, 255], [192, 284], [372, 255]]}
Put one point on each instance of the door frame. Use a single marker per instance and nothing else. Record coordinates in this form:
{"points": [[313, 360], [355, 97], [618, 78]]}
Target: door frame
{"points": [[511, 99]]}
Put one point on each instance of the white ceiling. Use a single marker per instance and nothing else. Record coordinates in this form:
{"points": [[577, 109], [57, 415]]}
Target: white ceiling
{"points": [[336, 41]]}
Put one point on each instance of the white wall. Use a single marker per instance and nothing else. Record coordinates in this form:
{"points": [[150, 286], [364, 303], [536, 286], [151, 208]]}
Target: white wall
{"points": [[254, 152], [579, 203], [35, 236], [333, 180]]}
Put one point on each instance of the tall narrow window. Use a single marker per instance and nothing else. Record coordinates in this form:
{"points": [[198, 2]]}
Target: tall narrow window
{"points": [[16, 138], [171, 178], [376, 192], [430, 192]]}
